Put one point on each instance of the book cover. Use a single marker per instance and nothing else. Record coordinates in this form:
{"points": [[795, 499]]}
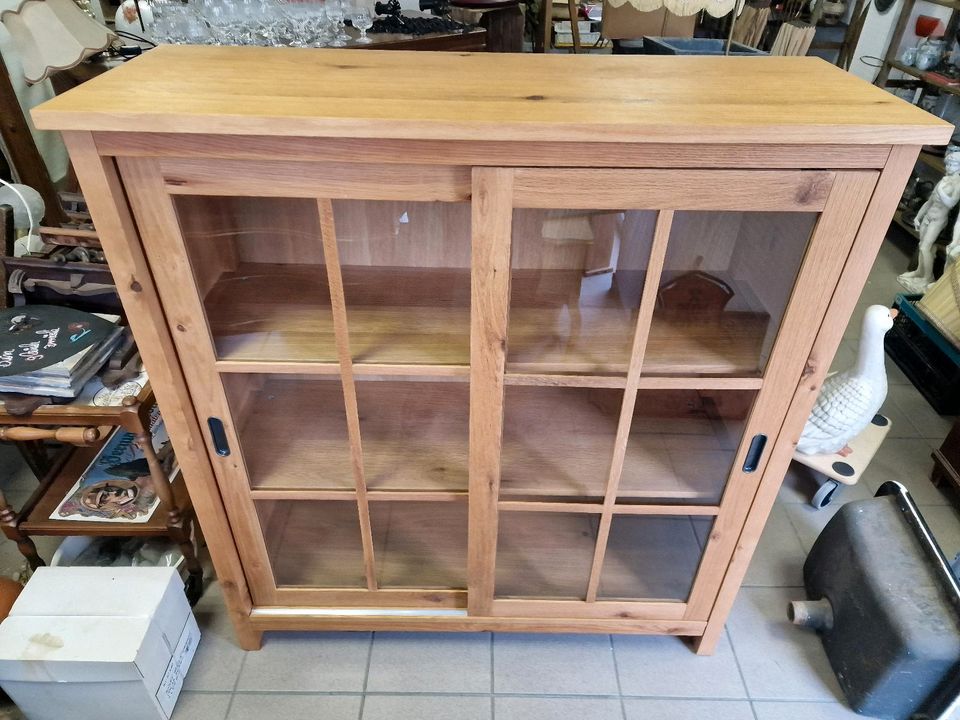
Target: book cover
{"points": [[116, 486], [40, 336]]}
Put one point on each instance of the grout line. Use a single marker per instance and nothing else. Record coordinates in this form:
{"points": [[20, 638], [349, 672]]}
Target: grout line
{"points": [[229, 707], [493, 705], [616, 673], [796, 532], [556, 696], [743, 679], [366, 675], [236, 683]]}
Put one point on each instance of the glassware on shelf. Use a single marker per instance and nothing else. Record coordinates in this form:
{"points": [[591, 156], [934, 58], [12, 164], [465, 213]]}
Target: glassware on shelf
{"points": [[929, 54], [362, 21], [336, 14], [299, 14], [177, 24]]}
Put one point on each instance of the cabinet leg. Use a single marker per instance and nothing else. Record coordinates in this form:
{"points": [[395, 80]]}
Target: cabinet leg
{"points": [[706, 644], [248, 638]]}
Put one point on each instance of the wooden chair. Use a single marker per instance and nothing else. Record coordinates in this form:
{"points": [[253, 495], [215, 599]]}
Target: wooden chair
{"points": [[86, 428], [550, 11]]}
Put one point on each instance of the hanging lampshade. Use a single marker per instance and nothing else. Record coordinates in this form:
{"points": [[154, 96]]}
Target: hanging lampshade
{"points": [[716, 8], [52, 35]]}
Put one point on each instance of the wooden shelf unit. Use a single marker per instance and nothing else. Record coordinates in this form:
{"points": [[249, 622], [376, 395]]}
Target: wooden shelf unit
{"points": [[890, 60], [489, 355]]}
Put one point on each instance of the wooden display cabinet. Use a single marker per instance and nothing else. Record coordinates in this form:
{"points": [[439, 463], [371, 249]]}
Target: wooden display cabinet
{"points": [[505, 346]]}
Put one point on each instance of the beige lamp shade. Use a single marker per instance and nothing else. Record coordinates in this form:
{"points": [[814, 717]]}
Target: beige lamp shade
{"points": [[52, 35], [716, 8]]}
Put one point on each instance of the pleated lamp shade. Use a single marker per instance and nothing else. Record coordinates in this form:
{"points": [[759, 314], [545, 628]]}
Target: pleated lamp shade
{"points": [[716, 8], [53, 35]]}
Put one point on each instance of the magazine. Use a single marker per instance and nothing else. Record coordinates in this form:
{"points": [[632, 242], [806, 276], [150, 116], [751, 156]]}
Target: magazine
{"points": [[116, 486]]}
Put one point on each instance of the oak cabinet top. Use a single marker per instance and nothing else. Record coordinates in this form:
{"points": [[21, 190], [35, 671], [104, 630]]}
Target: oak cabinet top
{"points": [[487, 96]]}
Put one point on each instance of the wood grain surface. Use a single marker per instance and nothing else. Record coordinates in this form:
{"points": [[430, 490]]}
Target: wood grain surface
{"points": [[457, 96]]}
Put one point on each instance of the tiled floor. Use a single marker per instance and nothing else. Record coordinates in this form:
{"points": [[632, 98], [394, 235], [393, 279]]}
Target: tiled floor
{"points": [[764, 668]]}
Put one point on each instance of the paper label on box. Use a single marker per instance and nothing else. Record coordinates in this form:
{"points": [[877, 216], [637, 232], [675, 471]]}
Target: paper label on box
{"points": [[172, 681]]}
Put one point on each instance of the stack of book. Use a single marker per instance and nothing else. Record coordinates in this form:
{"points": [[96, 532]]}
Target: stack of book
{"points": [[53, 351]]}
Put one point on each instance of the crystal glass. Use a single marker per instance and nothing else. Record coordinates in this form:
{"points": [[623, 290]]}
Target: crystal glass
{"points": [[336, 14], [362, 21], [298, 23]]}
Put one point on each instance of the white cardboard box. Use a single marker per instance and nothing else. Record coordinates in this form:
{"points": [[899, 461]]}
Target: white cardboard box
{"points": [[91, 643]]}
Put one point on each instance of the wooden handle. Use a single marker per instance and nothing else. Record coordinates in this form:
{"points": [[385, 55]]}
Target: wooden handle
{"points": [[69, 435]]}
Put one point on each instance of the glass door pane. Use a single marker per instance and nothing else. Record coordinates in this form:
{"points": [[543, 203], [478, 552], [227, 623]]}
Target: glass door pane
{"points": [[545, 554], [652, 558], [576, 279], [292, 431], [313, 544], [725, 285], [259, 265], [682, 445], [420, 544], [558, 442], [406, 280], [415, 435]]}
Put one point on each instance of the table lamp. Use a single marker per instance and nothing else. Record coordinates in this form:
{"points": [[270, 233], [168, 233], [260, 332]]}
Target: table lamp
{"points": [[53, 35]]}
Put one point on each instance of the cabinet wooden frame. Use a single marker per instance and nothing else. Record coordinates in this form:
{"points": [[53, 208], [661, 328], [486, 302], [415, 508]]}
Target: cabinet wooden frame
{"points": [[841, 196], [467, 394]]}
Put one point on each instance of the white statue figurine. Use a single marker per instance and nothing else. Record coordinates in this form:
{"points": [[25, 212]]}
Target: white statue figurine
{"points": [[930, 221]]}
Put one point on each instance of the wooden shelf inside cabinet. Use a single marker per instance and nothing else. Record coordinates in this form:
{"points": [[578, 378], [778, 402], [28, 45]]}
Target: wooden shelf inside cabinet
{"points": [[421, 316], [557, 444], [417, 545], [414, 435], [550, 555]]}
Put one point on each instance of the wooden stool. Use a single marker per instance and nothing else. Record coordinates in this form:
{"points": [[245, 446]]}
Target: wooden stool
{"points": [[548, 13], [502, 19]]}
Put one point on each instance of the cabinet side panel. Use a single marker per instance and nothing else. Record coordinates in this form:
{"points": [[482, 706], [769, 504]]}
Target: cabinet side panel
{"points": [[842, 303], [120, 240]]}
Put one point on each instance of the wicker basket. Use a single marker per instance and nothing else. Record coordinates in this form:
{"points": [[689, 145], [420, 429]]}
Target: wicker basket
{"points": [[941, 304]]}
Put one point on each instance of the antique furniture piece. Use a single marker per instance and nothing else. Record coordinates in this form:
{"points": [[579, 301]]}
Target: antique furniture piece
{"points": [[523, 344], [502, 19], [946, 461], [87, 427]]}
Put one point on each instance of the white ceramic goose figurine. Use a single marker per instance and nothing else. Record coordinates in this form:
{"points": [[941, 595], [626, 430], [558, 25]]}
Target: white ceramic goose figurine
{"points": [[848, 400]]}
